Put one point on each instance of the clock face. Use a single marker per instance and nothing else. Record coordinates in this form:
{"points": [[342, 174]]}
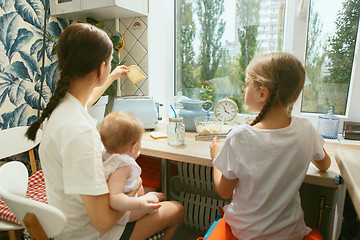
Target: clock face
{"points": [[226, 110]]}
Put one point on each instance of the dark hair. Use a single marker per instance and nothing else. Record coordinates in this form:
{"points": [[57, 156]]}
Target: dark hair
{"points": [[81, 49], [284, 76], [119, 130]]}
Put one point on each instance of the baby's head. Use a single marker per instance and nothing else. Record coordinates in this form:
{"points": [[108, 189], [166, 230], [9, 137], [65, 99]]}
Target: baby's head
{"points": [[282, 74], [121, 133]]}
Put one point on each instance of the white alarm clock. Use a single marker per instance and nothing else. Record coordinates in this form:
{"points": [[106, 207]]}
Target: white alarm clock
{"points": [[226, 110]]}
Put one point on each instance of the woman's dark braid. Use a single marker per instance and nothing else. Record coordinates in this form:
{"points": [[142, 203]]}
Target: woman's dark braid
{"points": [[62, 86], [265, 108]]}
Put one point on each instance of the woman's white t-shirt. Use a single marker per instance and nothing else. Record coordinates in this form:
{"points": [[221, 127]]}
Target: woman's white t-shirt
{"points": [[71, 158], [271, 166]]}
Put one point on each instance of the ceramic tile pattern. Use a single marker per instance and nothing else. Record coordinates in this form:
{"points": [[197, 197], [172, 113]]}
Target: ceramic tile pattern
{"points": [[134, 52]]}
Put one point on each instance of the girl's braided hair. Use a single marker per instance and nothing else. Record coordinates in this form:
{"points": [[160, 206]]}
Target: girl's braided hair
{"points": [[284, 76], [81, 49]]}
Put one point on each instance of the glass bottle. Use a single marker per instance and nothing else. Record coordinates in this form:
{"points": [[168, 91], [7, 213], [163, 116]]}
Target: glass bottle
{"points": [[328, 125], [176, 131]]}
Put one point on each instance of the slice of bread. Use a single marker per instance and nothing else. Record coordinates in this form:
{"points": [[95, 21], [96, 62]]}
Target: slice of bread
{"points": [[135, 74]]}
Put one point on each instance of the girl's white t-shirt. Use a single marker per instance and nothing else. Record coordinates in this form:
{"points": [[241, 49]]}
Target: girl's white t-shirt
{"points": [[71, 158], [271, 166]]}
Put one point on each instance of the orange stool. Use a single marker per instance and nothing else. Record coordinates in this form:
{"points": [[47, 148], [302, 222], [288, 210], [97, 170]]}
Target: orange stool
{"points": [[151, 173], [220, 230], [314, 235]]}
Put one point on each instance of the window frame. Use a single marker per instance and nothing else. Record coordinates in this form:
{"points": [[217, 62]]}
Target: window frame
{"points": [[162, 55], [296, 17]]}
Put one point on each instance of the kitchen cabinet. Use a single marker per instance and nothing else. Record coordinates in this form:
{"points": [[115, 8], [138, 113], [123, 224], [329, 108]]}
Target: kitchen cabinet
{"points": [[321, 196], [101, 10], [349, 164]]}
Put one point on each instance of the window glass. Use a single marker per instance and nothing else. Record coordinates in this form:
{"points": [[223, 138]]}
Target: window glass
{"points": [[215, 41], [331, 39]]}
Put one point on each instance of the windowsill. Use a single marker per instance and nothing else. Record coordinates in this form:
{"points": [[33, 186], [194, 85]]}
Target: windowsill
{"points": [[342, 140]]}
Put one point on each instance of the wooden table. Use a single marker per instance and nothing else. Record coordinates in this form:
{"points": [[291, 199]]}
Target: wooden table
{"points": [[197, 152], [349, 164]]}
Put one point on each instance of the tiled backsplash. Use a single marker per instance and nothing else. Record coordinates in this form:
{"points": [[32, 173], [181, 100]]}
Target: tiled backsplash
{"points": [[134, 52]]}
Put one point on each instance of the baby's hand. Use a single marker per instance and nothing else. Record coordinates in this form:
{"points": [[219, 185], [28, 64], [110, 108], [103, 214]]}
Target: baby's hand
{"points": [[148, 206], [155, 197]]}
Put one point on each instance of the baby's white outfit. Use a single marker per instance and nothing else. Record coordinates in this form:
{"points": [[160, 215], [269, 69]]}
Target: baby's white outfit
{"points": [[115, 161], [271, 166]]}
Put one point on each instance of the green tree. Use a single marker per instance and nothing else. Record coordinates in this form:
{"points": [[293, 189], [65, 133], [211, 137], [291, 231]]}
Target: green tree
{"points": [[185, 51], [342, 43], [281, 23], [212, 29], [315, 50], [223, 68], [247, 14], [315, 59]]}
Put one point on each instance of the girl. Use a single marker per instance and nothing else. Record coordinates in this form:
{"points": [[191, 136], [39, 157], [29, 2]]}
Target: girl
{"points": [[262, 166], [71, 149]]}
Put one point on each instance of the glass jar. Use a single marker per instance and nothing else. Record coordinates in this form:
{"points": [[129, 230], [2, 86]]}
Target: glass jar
{"points": [[176, 131], [328, 125]]}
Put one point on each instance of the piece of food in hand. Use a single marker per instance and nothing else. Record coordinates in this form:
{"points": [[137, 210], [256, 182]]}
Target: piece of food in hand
{"points": [[135, 74]]}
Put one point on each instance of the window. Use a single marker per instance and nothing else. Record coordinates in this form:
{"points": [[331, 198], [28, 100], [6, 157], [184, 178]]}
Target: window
{"points": [[331, 39], [164, 51], [215, 42]]}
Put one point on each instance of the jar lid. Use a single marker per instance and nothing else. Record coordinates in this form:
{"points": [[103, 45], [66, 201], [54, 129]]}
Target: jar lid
{"points": [[178, 99], [329, 115], [173, 119]]}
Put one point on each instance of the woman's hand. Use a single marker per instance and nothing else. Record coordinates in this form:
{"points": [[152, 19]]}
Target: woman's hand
{"points": [[215, 148], [119, 71]]}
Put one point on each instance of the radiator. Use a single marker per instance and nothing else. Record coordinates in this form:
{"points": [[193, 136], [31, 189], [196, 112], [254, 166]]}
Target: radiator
{"points": [[193, 187]]}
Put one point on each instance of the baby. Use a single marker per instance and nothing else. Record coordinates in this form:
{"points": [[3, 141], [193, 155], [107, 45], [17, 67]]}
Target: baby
{"points": [[121, 135]]}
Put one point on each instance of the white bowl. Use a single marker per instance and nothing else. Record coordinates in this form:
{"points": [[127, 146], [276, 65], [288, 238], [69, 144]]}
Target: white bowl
{"points": [[207, 125]]}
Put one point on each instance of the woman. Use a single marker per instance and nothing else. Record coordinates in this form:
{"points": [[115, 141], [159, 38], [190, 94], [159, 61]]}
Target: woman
{"points": [[70, 150]]}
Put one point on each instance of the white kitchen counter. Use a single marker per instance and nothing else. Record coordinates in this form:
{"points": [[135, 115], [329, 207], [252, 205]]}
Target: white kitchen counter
{"points": [[349, 164], [197, 152]]}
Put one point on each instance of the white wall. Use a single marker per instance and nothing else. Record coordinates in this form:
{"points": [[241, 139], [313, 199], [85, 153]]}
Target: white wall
{"points": [[161, 54]]}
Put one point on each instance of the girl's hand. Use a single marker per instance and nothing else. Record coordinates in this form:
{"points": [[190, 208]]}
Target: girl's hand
{"points": [[215, 148], [120, 71]]}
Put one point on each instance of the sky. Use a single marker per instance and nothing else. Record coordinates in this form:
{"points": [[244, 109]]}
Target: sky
{"points": [[229, 17], [327, 10]]}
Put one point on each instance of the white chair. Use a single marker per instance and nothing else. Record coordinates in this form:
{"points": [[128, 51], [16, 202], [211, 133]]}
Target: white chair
{"points": [[14, 142], [41, 220]]}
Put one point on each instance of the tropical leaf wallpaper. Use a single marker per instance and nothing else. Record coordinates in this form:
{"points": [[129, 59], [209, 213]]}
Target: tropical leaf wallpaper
{"points": [[21, 50]]}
